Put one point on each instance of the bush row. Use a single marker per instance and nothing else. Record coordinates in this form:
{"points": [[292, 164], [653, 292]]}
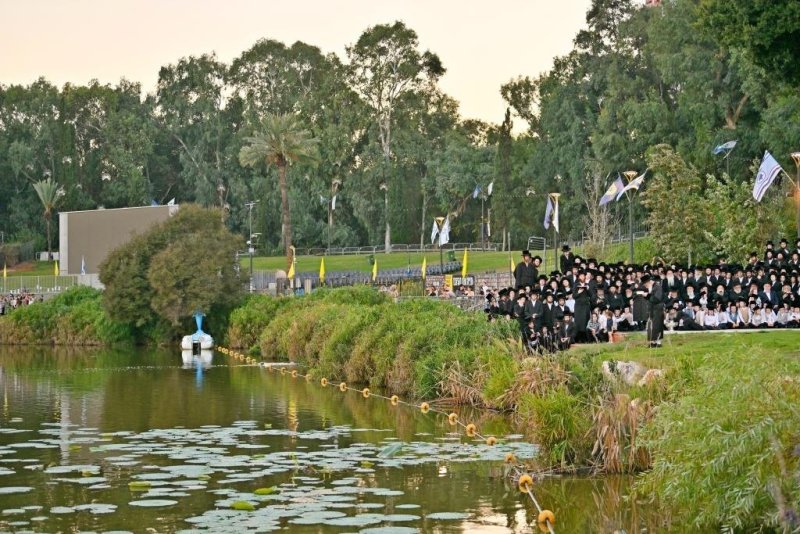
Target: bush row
{"points": [[75, 317]]}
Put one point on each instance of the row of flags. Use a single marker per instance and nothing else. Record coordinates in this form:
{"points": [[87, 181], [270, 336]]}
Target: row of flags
{"points": [[424, 271], [768, 171], [56, 270], [618, 188]]}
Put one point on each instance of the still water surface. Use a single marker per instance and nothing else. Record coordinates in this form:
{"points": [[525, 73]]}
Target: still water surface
{"points": [[140, 441]]}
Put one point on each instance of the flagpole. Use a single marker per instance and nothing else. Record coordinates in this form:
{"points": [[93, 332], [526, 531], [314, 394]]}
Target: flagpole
{"points": [[630, 175], [439, 225], [796, 158], [555, 196]]}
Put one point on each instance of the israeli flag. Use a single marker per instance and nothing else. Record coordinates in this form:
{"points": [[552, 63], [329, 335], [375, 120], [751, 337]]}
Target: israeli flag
{"points": [[333, 203], [444, 235], [476, 192], [725, 147], [767, 173], [489, 189]]}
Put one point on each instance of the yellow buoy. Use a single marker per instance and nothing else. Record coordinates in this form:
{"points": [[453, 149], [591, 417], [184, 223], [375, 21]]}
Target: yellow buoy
{"points": [[424, 407], [365, 393], [471, 430], [294, 373], [546, 516], [510, 458], [342, 386], [491, 440], [394, 399], [323, 382], [453, 418], [525, 483], [308, 377], [283, 370]]}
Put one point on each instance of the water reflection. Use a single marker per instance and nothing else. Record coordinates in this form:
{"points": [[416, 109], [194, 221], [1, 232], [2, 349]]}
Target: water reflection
{"points": [[292, 434]]}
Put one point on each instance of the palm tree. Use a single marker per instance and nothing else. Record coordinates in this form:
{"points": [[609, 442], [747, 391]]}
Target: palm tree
{"points": [[281, 142], [49, 193]]}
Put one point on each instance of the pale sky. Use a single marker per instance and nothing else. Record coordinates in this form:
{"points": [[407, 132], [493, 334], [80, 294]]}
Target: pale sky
{"points": [[482, 43]]}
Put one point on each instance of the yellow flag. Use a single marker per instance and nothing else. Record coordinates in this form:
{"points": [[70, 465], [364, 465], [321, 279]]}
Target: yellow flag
{"points": [[322, 270], [5, 270], [375, 270], [291, 271], [424, 267], [55, 268], [511, 261], [464, 265]]}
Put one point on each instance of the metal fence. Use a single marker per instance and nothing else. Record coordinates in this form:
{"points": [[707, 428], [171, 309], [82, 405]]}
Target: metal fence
{"points": [[47, 284], [379, 249]]}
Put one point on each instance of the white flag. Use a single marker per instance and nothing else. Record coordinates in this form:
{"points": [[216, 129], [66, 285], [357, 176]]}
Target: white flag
{"points": [[83, 265], [171, 202], [444, 235], [767, 172], [555, 217], [333, 203], [634, 185], [434, 231], [489, 189]]}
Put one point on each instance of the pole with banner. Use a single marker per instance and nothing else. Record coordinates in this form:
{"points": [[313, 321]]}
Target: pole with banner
{"points": [[630, 175]]}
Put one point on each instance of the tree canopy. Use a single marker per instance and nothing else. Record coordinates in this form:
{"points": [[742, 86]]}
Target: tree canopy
{"points": [[688, 74]]}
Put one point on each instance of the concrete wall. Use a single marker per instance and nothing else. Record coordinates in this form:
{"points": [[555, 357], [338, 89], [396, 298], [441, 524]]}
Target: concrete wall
{"points": [[92, 235]]}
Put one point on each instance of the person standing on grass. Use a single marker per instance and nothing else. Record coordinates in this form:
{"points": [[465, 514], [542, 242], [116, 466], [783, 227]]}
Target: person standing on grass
{"points": [[655, 309], [525, 273]]}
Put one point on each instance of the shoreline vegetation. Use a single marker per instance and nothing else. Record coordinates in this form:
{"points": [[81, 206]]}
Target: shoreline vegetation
{"points": [[709, 423]]}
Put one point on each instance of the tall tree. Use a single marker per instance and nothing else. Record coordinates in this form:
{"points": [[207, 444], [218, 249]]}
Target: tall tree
{"points": [[386, 68], [50, 194], [279, 143]]}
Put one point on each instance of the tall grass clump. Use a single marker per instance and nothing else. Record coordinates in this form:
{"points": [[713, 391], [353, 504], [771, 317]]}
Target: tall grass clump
{"points": [[727, 450]]}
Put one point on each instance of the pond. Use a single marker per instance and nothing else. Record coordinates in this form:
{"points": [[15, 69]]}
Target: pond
{"points": [[138, 441]]}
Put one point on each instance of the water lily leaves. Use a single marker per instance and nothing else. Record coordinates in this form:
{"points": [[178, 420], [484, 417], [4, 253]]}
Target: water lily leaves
{"points": [[243, 505], [391, 450], [153, 503], [6, 490], [447, 516]]}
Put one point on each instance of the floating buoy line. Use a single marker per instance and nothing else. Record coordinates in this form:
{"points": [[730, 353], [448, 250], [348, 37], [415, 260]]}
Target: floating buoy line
{"points": [[545, 519]]}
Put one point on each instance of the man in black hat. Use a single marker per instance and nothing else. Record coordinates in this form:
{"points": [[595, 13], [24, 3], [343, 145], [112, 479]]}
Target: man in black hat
{"points": [[655, 317], [525, 272], [567, 259]]}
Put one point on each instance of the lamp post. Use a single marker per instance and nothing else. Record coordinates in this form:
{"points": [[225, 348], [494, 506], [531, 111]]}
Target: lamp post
{"points": [[250, 248], [335, 184], [439, 225], [630, 175], [388, 240], [555, 196], [796, 158]]}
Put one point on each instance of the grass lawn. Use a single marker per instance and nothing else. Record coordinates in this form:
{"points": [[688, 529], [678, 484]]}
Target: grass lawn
{"points": [[478, 261], [32, 268], [676, 346]]}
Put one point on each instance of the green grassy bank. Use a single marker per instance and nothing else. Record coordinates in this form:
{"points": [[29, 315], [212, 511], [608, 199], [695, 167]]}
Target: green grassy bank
{"points": [[714, 432]]}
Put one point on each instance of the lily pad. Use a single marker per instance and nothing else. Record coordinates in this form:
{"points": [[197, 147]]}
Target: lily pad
{"points": [[153, 503], [447, 516], [243, 505], [6, 490]]}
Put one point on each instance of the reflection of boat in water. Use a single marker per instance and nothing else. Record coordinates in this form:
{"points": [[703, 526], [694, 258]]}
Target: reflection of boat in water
{"points": [[200, 338], [190, 361]]}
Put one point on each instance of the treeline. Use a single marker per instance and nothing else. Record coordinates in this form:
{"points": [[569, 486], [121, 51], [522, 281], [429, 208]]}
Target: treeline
{"points": [[691, 74]]}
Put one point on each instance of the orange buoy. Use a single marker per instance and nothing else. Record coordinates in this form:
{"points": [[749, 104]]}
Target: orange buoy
{"points": [[365, 393], [323, 382], [471, 429], [294, 373], [453, 418], [510, 458], [525, 483], [491, 440], [342, 386], [546, 516], [424, 407], [394, 399]]}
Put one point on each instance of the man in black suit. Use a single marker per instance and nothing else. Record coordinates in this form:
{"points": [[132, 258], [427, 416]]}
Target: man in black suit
{"points": [[567, 259], [525, 273], [655, 307]]}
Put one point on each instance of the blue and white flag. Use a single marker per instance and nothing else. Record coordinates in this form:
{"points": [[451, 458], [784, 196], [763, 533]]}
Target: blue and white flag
{"points": [[489, 189], [551, 214], [476, 192], [83, 265], [444, 235], [767, 172], [634, 185], [613, 191], [434, 231], [724, 147]]}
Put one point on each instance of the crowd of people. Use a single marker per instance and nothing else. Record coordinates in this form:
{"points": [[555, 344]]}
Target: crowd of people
{"points": [[587, 301], [13, 301]]}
